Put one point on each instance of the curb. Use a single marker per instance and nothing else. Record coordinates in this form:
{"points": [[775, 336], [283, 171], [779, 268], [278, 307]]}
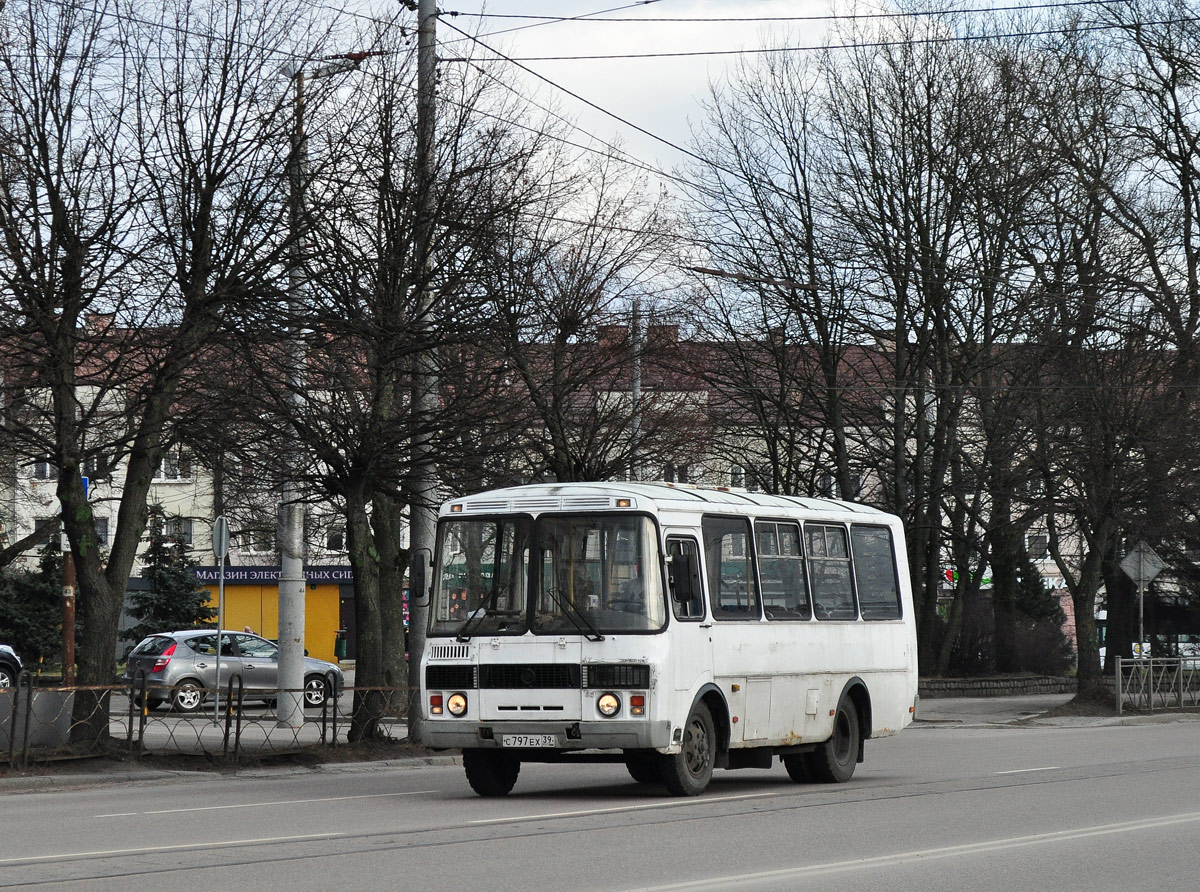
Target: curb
{"points": [[48, 783]]}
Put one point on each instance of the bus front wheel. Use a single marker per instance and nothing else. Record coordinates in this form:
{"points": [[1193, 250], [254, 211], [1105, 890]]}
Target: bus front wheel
{"points": [[687, 772], [833, 761], [490, 772]]}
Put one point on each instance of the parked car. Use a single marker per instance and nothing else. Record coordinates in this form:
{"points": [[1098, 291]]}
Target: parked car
{"points": [[181, 667], [10, 667]]}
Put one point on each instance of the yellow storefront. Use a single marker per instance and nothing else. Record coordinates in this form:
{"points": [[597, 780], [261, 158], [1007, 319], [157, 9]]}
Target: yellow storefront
{"points": [[252, 600]]}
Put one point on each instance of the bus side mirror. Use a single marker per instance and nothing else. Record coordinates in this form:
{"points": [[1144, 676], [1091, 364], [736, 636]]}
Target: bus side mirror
{"points": [[418, 576], [685, 577]]}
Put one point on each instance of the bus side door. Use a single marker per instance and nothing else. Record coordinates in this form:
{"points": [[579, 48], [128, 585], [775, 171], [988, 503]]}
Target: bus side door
{"points": [[690, 633]]}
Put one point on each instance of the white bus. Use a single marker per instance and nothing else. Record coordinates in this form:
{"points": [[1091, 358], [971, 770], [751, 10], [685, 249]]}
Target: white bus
{"points": [[673, 628]]}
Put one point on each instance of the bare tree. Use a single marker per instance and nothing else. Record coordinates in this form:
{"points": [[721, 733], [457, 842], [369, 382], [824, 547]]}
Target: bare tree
{"points": [[562, 290], [138, 200]]}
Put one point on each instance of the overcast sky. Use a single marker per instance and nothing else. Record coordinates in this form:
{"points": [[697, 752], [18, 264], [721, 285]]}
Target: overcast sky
{"points": [[660, 95]]}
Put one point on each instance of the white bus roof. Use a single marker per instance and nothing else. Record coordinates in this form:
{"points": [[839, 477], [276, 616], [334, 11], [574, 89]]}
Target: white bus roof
{"points": [[538, 497]]}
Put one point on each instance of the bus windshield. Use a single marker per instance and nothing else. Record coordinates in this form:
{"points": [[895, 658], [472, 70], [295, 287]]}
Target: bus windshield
{"points": [[589, 575]]}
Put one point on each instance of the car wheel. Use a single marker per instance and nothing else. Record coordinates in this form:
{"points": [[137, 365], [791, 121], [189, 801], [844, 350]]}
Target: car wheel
{"points": [[314, 691], [8, 676], [187, 696], [833, 761], [687, 772], [147, 701], [491, 772]]}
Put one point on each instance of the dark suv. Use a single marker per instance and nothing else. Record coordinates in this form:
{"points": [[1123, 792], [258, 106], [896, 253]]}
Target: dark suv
{"points": [[10, 667]]}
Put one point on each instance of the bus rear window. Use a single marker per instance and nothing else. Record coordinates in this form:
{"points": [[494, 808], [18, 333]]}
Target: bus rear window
{"points": [[875, 572]]}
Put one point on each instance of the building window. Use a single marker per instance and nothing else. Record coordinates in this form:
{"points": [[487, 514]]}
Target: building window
{"points": [[174, 466], [101, 530], [675, 473], [96, 467], [45, 469], [335, 538], [48, 528], [1038, 545], [737, 477], [180, 530], [258, 541]]}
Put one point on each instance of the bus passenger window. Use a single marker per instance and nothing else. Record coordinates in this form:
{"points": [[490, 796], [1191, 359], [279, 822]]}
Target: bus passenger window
{"points": [[829, 572], [781, 570], [731, 587], [875, 572], [693, 608]]}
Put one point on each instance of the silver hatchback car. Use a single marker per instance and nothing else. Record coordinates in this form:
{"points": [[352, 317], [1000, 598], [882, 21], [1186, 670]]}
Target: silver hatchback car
{"points": [[181, 667]]}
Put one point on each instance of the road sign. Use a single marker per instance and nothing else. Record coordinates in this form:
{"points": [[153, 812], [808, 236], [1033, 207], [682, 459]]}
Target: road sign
{"points": [[220, 538], [1142, 564]]}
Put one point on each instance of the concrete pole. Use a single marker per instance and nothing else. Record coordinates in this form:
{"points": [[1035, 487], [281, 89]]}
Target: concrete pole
{"points": [[290, 704], [423, 507], [68, 615]]}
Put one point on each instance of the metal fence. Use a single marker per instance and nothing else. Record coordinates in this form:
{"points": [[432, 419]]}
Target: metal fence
{"points": [[1158, 683], [40, 724]]}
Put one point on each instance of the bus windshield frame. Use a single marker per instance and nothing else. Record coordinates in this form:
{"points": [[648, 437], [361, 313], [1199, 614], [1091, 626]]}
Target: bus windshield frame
{"points": [[588, 574]]}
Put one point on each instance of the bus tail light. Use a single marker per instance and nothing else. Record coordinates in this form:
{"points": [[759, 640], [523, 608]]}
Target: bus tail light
{"points": [[435, 704], [637, 704]]}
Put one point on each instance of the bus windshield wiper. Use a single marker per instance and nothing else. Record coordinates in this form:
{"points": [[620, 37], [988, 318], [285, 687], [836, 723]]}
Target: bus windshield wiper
{"points": [[575, 615], [480, 614]]}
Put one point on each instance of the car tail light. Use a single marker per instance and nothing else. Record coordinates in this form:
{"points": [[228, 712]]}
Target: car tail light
{"points": [[161, 663]]}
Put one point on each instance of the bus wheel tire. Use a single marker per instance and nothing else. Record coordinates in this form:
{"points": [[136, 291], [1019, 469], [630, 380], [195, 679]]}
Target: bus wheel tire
{"points": [[797, 768], [644, 771], [688, 772], [833, 761], [490, 772]]}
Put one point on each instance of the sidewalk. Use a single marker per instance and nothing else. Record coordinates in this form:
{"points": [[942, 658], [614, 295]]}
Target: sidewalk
{"points": [[1032, 709]]}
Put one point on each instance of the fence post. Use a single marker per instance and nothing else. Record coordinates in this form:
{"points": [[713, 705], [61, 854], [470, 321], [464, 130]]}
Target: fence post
{"points": [[1120, 685]]}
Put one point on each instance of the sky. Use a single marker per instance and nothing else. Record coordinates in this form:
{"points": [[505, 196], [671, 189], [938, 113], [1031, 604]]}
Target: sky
{"points": [[659, 95]]}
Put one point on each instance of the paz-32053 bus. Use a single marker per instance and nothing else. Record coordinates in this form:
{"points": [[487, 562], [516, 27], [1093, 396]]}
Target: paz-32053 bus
{"points": [[673, 628]]}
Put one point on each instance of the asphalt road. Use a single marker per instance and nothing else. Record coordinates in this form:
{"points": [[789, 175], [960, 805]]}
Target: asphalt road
{"points": [[964, 799]]}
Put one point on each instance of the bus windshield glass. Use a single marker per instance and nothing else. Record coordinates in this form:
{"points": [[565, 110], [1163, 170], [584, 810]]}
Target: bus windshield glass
{"points": [[597, 574], [481, 586], [588, 575]]}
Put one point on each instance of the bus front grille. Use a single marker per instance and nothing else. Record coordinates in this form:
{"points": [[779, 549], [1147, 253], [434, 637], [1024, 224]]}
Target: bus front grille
{"points": [[528, 675]]}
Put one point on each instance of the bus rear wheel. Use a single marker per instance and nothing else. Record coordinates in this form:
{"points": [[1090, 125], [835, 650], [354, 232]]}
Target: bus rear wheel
{"points": [[687, 772], [833, 761], [490, 772]]}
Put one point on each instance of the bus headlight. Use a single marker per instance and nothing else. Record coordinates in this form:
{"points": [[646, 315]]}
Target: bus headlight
{"points": [[609, 705], [456, 705]]}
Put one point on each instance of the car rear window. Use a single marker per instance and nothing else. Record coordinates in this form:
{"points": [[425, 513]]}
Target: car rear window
{"points": [[152, 647]]}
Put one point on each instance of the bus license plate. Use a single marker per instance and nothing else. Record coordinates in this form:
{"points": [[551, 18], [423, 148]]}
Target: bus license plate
{"points": [[526, 740]]}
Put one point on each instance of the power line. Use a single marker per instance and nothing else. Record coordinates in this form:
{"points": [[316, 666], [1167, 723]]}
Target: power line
{"points": [[587, 102], [879, 44], [833, 17]]}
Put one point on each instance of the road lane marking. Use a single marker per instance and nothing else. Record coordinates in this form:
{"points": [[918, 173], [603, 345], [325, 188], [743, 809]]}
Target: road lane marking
{"points": [[739, 881], [172, 811], [1028, 770], [183, 847], [670, 803]]}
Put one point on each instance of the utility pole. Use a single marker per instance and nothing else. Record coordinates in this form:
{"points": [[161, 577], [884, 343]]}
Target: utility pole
{"points": [[422, 507], [635, 388], [290, 701]]}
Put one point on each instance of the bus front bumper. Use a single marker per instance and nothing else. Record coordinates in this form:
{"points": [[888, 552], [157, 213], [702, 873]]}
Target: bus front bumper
{"points": [[624, 735]]}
